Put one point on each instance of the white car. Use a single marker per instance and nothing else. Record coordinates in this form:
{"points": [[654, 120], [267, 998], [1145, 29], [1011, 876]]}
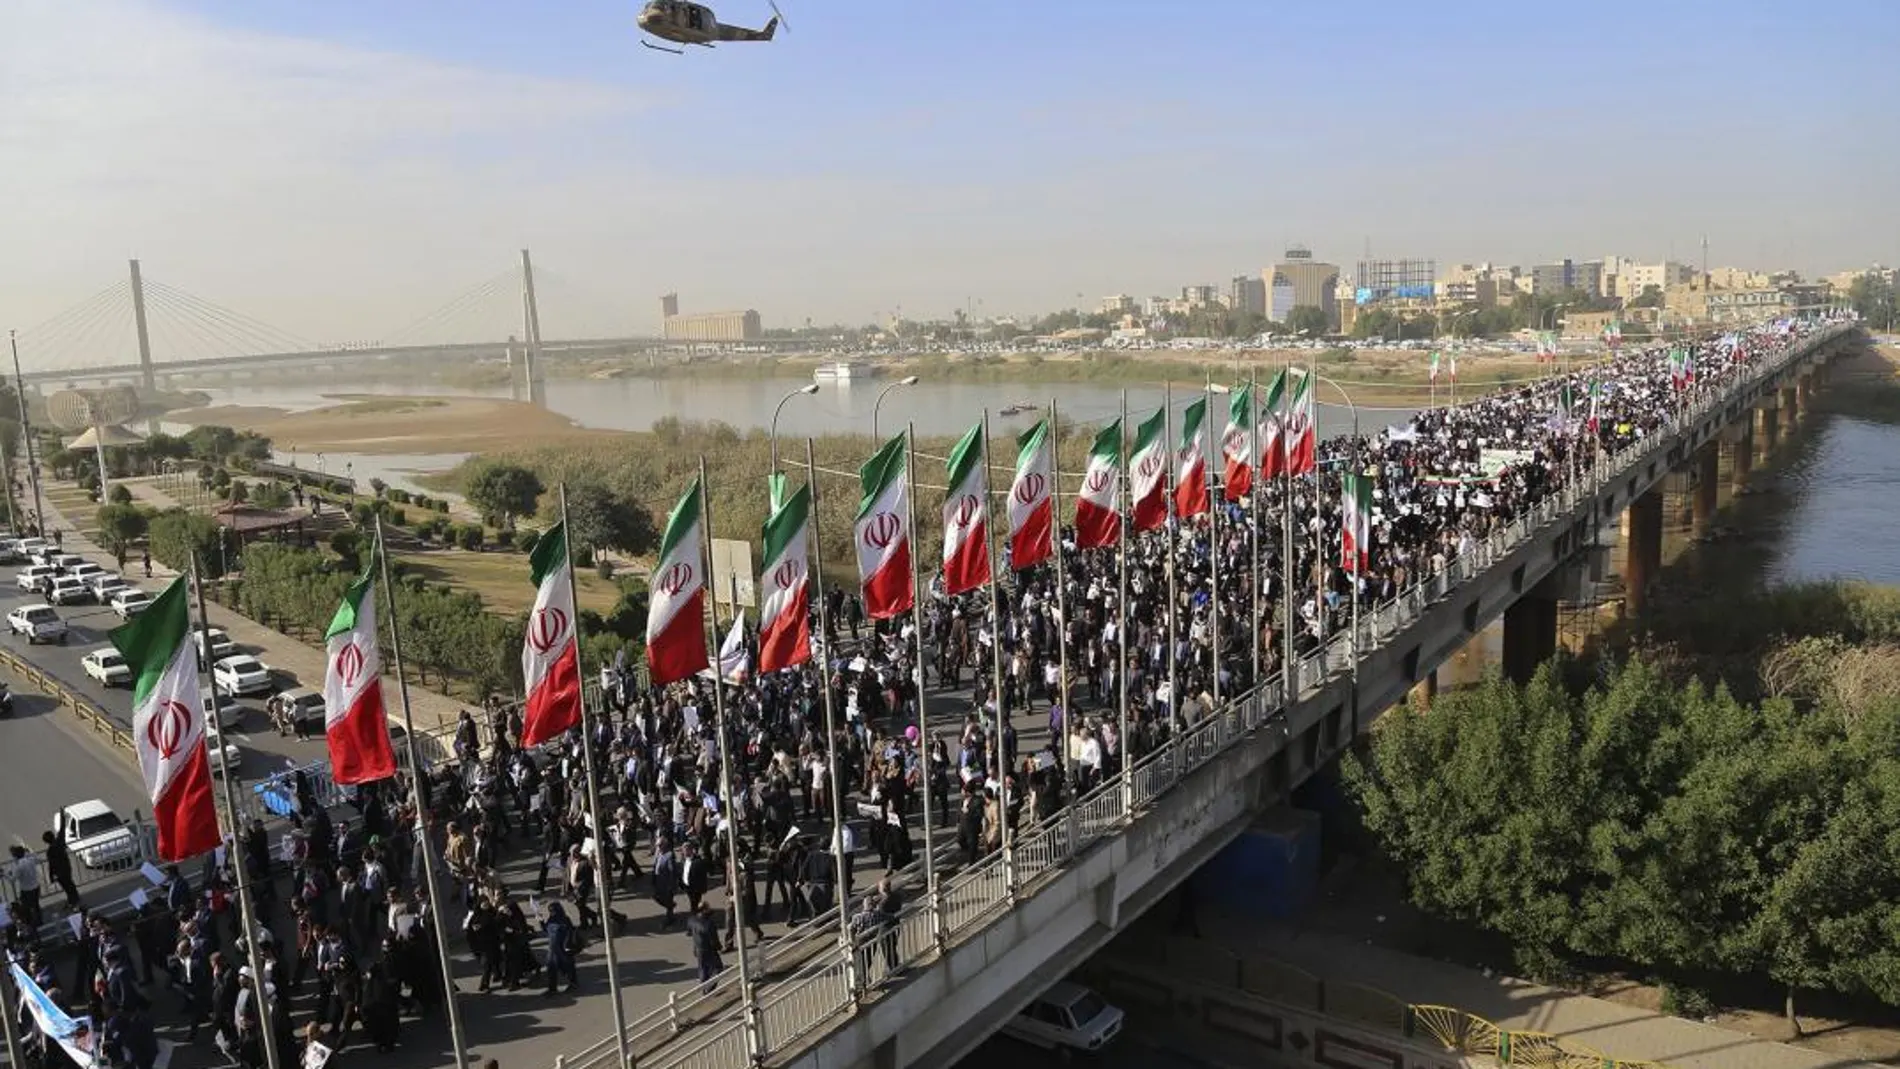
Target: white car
{"points": [[106, 584], [1066, 1017], [228, 758], [240, 675], [34, 576], [107, 667], [65, 562], [39, 623], [130, 602], [214, 644], [96, 835], [84, 571], [32, 547], [65, 590], [230, 713]]}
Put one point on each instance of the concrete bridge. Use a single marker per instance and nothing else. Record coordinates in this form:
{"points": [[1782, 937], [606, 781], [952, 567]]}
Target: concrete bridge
{"points": [[998, 933]]}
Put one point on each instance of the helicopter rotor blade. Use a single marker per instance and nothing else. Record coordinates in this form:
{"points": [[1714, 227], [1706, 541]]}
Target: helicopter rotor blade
{"points": [[776, 13]]}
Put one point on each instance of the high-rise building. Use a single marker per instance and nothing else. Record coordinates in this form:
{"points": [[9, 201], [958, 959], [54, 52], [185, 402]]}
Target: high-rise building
{"points": [[1584, 276], [1378, 280], [707, 326], [1248, 295], [1299, 281], [1117, 304]]}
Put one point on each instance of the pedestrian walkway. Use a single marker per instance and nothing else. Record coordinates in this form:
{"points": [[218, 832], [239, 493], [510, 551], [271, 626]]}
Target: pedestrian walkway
{"points": [[1620, 1031], [280, 651]]}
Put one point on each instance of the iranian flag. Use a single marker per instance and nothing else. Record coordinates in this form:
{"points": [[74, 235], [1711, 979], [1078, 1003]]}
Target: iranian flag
{"points": [[1190, 480], [785, 603], [1032, 511], [1237, 445], [1149, 465], [550, 655], [1297, 432], [1432, 374], [168, 723], [1355, 507], [883, 536], [966, 555], [676, 605], [356, 725], [1098, 507], [1272, 428]]}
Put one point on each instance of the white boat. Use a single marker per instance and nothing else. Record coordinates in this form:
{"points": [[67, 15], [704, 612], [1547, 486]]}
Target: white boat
{"points": [[841, 371]]}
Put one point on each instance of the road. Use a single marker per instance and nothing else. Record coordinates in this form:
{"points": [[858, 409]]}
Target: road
{"points": [[50, 761]]}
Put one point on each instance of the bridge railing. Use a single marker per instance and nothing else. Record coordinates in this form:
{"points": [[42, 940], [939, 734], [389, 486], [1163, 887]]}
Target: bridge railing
{"points": [[835, 980]]}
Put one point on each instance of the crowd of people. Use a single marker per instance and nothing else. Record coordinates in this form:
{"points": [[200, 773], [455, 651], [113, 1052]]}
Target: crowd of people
{"points": [[831, 763]]}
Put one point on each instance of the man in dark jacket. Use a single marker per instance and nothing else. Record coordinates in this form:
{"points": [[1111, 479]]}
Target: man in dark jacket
{"points": [[59, 864]]}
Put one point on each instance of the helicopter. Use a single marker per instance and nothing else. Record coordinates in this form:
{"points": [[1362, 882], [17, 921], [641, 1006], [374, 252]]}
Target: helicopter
{"points": [[687, 23]]}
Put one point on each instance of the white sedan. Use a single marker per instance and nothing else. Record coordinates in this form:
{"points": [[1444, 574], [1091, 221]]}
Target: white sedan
{"points": [[96, 834], [130, 602], [240, 675], [107, 667]]}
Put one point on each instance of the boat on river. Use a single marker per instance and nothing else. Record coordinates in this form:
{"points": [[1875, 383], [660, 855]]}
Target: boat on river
{"points": [[842, 371]]}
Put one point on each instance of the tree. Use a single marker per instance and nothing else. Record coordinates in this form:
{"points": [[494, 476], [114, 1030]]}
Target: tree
{"points": [[177, 536], [121, 525], [1874, 299], [1651, 297], [598, 520], [1309, 319], [347, 544], [504, 492]]}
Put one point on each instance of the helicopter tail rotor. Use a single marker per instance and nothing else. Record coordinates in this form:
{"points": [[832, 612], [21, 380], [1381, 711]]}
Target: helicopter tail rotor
{"points": [[778, 17]]}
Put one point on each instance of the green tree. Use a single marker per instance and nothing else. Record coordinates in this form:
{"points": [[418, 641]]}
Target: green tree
{"points": [[1310, 319], [347, 544], [120, 526], [1874, 300], [504, 492], [176, 536], [599, 520], [1651, 297]]}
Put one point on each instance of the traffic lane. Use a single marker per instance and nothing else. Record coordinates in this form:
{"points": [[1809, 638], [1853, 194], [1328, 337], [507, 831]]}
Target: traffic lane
{"points": [[264, 751], [50, 760]]}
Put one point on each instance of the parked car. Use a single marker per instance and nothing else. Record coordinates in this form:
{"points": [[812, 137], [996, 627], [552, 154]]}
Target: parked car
{"points": [[229, 713], [298, 711], [106, 584], [230, 757], [108, 667], [239, 675], [31, 548], [65, 562], [130, 602], [1067, 1017], [34, 577], [65, 590], [10, 552], [96, 835], [214, 644], [38, 623]]}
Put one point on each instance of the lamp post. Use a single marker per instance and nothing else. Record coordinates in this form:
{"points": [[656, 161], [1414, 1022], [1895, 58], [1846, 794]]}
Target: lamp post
{"points": [[1357, 470], [908, 380], [808, 388]]}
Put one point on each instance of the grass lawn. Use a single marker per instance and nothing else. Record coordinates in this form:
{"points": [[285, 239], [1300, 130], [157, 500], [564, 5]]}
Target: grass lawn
{"points": [[501, 578]]}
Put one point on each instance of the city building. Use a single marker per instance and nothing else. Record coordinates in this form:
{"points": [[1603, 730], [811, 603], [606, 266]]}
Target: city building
{"points": [[1584, 276], [1118, 304], [1750, 305], [1739, 278], [1381, 280], [1299, 281], [707, 326], [1844, 281], [1198, 297], [1627, 279], [1588, 324], [1477, 284], [1247, 294], [1156, 307]]}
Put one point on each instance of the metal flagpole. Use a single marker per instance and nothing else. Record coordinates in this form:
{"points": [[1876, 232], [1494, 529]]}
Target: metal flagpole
{"points": [[1289, 676], [1319, 529], [247, 911], [731, 806], [6, 472], [1254, 456], [923, 714], [427, 838], [602, 893], [1062, 592], [1173, 531], [996, 677], [836, 790], [1214, 504], [1125, 528], [16, 1055]]}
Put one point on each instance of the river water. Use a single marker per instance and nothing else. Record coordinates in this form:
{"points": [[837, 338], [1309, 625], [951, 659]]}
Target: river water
{"points": [[1844, 486]]}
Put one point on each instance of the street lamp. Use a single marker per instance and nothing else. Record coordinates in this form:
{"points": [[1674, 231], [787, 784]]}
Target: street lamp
{"points": [[908, 380], [808, 388]]}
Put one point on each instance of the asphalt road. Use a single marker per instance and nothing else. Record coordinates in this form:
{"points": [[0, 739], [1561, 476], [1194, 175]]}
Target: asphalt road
{"points": [[50, 762]]}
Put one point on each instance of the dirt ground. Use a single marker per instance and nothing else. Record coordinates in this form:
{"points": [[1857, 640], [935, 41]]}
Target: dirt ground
{"points": [[402, 425]]}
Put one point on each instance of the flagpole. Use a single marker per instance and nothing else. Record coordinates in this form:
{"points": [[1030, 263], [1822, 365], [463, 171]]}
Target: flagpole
{"points": [[1174, 595], [1319, 494], [602, 894], [1062, 590], [247, 911], [731, 806], [923, 713], [836, 791], [996, 667], [1289, 677], [1255, 457], [1213, 543], [457, 1038], [1126, 530]]}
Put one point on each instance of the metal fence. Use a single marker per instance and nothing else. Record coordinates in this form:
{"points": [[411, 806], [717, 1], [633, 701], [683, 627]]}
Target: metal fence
{"points": [[830, 985]]}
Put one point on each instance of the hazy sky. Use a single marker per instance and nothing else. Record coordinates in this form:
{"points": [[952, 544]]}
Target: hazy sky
{"points": [[340, 169]]}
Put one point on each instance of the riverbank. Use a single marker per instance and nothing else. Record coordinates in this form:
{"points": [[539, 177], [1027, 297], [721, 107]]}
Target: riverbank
{"points": [[359, 423]]}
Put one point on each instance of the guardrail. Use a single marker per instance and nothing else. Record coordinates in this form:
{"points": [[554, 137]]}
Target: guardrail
{"points": [[966, 900]]}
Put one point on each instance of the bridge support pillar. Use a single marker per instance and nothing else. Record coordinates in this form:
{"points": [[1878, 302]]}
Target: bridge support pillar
{"points": [[1741, 456], [1707, 473], [1423, 691], [1769, 420], [1530, 631], [138, 326], [1642, 549], [1804, 391], [1791, 406]]}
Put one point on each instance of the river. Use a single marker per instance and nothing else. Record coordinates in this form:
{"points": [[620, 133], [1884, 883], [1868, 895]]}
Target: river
{"points": [[1844, 488]]}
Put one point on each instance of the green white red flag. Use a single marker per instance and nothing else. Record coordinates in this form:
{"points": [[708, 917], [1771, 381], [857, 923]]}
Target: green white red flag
{"points": [[1098, 506], [1148, 469], [550, 651], [676, 594], [785, 585], [1238, 444], [356, 723], [1355, 506], [1190, 480], [168, 723], [966, 554], [1297, 431], [1273, 428], [1032, 510], [883, 533]]}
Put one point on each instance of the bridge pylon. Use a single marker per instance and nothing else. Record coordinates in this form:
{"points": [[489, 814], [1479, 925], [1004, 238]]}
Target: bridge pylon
{"points": [[145, 339]]}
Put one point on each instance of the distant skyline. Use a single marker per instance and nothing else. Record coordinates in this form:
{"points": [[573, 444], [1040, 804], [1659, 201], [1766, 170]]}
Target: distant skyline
{"points": [[341, 170]]}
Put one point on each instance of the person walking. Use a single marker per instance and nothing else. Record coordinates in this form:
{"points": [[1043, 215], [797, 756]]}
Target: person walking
{"points": [[703, 929]]}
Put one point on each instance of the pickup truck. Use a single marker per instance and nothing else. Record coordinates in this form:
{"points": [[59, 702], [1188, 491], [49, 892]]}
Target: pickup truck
{"points": [[38, 623]]}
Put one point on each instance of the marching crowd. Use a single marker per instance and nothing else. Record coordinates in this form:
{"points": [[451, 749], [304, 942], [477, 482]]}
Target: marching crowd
{"points": [[357, 935]]}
